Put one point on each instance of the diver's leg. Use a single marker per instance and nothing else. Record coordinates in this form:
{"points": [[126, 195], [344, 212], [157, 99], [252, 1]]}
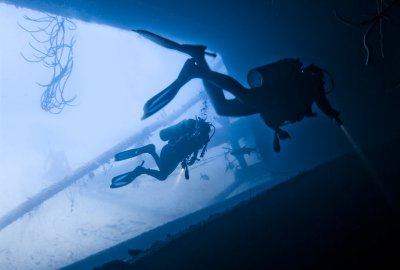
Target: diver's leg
{"points": [[214, 90], [160, 175], [240, 106], [149, 149], [156, 157], [222, 106], [215, 83], [127, 178], [165, 163], [223, 81], [165, 169]]}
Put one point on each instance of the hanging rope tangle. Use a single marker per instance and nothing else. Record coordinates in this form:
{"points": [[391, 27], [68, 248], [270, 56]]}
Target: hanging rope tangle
{"points": [[55, 52], [377, 20]]}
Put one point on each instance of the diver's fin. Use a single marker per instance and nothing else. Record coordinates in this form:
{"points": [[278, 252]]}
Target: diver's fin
{"points": [[126, 178], [160, 100], [192, 50], [135, 152], [121, 180], [126, 154], [167, 43]]}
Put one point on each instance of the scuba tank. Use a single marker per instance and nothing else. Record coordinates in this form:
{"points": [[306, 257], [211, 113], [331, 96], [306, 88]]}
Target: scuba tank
{"points": [[168, 133], [182, 128], [272, 75]]}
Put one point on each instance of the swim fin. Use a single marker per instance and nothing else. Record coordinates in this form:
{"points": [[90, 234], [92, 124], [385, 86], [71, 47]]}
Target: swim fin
{"points": [[169, 44], [121, 180], [126, 178], [160, 100], [125, 154], [192, 50], [134, 152]]}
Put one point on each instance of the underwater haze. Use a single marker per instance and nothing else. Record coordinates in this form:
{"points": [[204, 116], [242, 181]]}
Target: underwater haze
{"points": [[114, 73], [74, 81]]}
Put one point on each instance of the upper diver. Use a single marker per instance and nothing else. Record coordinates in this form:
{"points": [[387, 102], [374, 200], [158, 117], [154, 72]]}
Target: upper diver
{"points": [[281, 92], [185, 140]]}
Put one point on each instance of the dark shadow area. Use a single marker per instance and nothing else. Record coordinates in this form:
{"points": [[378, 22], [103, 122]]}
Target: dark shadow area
{"points": [[317, 220]]}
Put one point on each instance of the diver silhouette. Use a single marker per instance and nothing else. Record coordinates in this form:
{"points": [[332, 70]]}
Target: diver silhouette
{"points": [[282, 92], [185, 140]]}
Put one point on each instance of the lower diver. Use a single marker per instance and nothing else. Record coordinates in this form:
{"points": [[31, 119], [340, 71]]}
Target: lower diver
{"points": [[185, 140]]}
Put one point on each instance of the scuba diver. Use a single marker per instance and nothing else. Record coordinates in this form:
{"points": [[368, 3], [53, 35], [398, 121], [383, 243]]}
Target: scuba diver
{"points": [[185, 140], [282, 92]]}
